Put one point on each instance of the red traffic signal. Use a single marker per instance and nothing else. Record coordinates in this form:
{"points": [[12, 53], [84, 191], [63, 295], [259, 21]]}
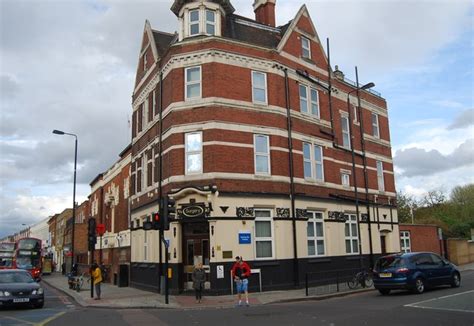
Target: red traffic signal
{"points": [[156, 221]]}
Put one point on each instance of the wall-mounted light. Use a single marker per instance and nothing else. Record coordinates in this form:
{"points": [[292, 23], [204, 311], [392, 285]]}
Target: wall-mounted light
{"points": [[212, 252], [212, 229], [174, 231], [243, 222], [174, 253]]}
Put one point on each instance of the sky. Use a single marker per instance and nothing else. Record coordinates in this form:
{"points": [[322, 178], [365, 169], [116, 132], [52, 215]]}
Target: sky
{"points": [[70, 65]]}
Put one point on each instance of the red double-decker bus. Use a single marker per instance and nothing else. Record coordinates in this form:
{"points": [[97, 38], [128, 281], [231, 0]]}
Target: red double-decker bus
{"points": [[28, 256], [7, 253]]}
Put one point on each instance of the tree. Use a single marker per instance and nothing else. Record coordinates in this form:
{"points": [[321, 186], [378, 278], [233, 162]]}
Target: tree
{"points": [[434, 198], [406, 205]]}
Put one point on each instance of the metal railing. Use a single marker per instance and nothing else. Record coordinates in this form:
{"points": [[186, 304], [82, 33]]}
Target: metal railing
{"points": [[370, 90], [329, 281]]}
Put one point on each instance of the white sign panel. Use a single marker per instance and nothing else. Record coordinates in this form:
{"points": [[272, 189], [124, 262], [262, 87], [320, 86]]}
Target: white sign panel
{"points": [[220, 271]]}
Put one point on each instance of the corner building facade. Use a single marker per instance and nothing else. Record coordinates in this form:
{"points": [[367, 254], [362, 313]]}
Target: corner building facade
{"points": [[247, 128]]}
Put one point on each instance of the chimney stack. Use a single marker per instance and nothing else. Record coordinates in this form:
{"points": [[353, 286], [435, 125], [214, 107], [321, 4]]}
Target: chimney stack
{"points": [[265, 12]]}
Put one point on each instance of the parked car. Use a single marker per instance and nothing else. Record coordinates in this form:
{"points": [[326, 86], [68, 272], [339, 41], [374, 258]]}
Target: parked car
{"points": [[17, 287], [414, 271]]}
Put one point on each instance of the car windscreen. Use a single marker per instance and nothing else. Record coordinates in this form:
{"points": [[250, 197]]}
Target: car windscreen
{"points": [[390, 262], [16, 277]]}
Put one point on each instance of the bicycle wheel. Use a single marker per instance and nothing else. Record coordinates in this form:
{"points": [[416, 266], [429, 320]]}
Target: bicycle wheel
{"points": [[369, 281], [353, 283]]}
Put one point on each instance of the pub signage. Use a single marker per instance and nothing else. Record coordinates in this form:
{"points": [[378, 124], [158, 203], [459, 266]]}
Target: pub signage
{"points": [[193, 211]]}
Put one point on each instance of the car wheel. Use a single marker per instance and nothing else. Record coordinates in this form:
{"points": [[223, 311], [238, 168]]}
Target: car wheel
{"points": [[419, 286], [384, 291], [456, 280]]}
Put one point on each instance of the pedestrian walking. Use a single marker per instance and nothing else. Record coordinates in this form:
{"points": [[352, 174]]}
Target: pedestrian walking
{"points": [[199, 278], [96, 275], [240, 273]]}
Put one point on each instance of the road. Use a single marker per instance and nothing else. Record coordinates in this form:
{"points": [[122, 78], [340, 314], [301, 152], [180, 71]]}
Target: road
{"points": [[56, 304], [442, 306]]}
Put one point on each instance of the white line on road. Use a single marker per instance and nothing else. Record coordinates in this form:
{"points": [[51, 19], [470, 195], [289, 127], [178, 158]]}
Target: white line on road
{"points": [[443, 309], [443, 297]]}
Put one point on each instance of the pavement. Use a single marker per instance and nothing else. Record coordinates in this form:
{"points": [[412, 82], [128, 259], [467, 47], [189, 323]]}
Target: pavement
{"points": [[127, 297]]}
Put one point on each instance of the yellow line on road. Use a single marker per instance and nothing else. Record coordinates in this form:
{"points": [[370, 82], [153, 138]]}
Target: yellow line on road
{"points": [[44, 322]]}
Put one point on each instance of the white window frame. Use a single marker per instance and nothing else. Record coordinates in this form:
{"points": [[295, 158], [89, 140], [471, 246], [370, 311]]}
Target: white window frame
{"points": [[266, 239], [265, 154], [351, 219], [206, 22], [254, 87], [310, 100], [345, 179], [186, 153], [198, 22], [316, 217], [356, 116], [375, 125], [143, 177], [145, 113], [154, 105], [190, 83], [314, 162], [308, 160], [145, 62], [305, 47], [405, 241], [346, 134], [380, 178], [150, 159]]}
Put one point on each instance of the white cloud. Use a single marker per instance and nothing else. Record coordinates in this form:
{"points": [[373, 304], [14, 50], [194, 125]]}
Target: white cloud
{"points": [[70, 65]]}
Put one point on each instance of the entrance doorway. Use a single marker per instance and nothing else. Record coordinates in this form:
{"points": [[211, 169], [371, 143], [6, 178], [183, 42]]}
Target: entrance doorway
{"points": [[383, 244], [195, 250]]}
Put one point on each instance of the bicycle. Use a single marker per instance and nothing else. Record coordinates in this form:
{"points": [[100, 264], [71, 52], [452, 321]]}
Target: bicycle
{"points": [[362, 278], [78, 282]]}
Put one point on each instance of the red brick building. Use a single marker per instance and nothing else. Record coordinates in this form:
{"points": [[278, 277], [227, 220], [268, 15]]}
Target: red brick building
{"points": [[246, 126], [81, 250], [421, 237], [109, 205]]}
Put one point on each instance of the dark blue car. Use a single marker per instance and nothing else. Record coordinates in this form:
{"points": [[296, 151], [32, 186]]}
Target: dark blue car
{"points": [[414, 271]]}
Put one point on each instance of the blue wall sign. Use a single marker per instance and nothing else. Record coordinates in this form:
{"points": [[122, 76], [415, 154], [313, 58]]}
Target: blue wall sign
{"points": [[245, 238]]}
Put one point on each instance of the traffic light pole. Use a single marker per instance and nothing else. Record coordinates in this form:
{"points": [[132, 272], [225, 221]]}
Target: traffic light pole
{"points": [[166, 269], [91, 280]]}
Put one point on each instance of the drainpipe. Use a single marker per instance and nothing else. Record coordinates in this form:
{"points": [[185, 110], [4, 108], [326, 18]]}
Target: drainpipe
{"points": [[330, 89], [160, 177], [290, 164], [354, 177], [364, 159]]}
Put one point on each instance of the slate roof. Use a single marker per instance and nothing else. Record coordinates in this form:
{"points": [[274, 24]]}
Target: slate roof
{"points": [[163, 41], [236, 27], [178, 4], [247, 30]]}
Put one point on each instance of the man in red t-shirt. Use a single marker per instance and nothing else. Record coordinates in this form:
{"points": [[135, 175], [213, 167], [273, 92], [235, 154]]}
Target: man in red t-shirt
{"points": [[241, 273]]}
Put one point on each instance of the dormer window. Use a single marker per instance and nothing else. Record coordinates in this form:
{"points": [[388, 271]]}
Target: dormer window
{"points": [[200, 18], [210, 22], [194, 22]]}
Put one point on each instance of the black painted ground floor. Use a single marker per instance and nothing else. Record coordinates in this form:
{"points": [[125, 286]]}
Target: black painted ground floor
{"points": [[274, 274]]}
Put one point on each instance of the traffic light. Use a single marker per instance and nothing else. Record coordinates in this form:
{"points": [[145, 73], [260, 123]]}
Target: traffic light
{"points": [[169, 211], [156, 221], [91, 235]]}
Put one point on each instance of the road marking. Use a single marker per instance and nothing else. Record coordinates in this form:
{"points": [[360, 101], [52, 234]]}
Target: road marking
{"points": [[443, 309], [444, 297], [44, 322], [19, 320]]}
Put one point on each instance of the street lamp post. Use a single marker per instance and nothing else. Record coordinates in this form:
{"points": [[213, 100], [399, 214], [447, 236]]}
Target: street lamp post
{"points": [[59, 132], [366, 86]]}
